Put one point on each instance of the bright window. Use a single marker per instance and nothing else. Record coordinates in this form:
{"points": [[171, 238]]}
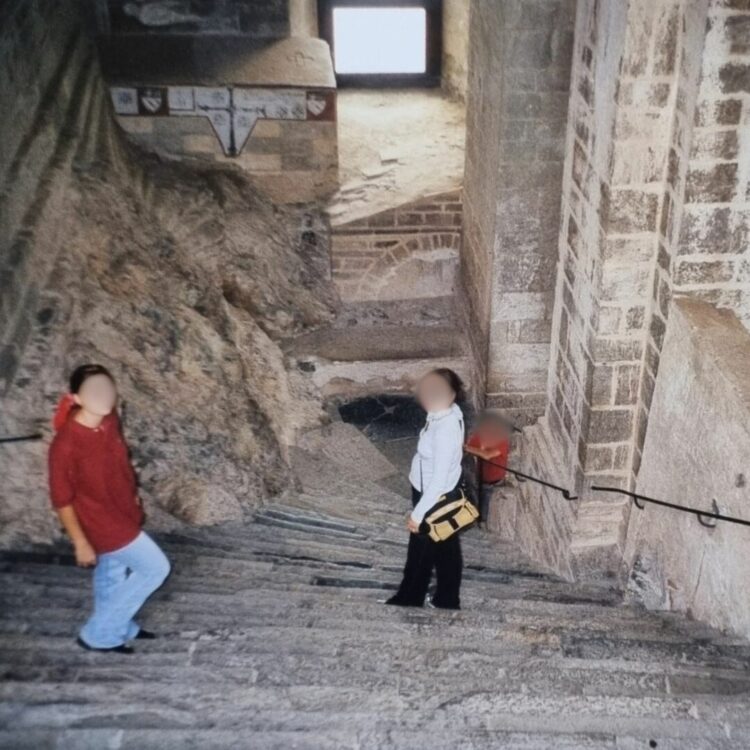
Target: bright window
{"points": [[380, 40]]}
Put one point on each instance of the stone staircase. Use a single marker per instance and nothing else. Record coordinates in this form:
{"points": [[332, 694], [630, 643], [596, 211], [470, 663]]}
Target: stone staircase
{"points": [[274, 636]]}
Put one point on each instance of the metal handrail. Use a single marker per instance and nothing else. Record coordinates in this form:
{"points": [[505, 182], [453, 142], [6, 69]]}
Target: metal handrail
{"points": [[638, 499], [565, 493]]}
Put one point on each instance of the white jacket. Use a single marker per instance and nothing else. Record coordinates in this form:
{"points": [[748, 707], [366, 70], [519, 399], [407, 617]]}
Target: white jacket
{"points": [[436, 466]]}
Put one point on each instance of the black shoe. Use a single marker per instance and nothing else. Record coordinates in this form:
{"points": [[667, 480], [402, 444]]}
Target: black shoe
{"points": [[145, 635], [122, 649], [394, 600]]}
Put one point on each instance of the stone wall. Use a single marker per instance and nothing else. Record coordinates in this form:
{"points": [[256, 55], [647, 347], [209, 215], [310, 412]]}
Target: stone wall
{"points": [[455, 61], [260, 20], [481, 179], [645, 177], [715, 232], [272, 113], [696, 450], [180, 278], [46, 83], [626, 73], [303, 17], [405, 253], [519, 72]]}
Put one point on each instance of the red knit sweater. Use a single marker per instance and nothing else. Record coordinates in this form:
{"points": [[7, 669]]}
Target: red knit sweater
{"points": [[89, 468]]}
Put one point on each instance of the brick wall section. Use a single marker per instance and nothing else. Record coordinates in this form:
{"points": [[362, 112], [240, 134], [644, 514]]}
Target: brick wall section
{"points": [[655, 96], [517, 109], [654, 203], [689, 29], [407, 252], [624, 86], [291, 162], [49, 93], [585, 194], [712, 259]]}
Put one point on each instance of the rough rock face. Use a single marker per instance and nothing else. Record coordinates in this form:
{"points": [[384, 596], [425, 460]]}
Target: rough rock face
{"points": [[181, 281]]}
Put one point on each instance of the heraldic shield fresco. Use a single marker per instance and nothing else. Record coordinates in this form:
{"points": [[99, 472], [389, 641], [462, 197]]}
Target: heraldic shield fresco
{"points": [[231, 110]]}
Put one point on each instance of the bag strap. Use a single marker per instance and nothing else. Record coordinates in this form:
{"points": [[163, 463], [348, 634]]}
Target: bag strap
{"points": [[421, 479]]}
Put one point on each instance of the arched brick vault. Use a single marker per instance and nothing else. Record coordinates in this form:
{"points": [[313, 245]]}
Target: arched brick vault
{"points": [[407, 252], [652, 201]]}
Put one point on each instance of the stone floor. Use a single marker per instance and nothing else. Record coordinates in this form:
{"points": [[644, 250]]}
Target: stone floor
{"points": [[395, 147], [273, 636]]}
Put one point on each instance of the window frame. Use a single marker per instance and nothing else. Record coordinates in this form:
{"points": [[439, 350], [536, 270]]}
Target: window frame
{"points": [[433, 48]]}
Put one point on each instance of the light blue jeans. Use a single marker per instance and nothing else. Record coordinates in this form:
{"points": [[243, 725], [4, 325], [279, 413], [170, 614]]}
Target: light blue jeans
{"points": [[123, 580]]}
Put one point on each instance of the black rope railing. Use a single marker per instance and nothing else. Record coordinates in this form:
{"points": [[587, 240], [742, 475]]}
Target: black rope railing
{"points": [[637, 498], [20, 438]]}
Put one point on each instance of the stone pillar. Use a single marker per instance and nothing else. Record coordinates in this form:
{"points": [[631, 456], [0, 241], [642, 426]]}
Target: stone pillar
{"points": [[517, 105], [456, 15], [634, 84]]}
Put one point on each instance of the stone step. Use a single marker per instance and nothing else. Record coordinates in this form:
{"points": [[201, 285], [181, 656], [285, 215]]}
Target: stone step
{"points": [[482, 587], [330, 739], [347, 447], [468, 672], [274, 630], [180, 615], [423, 312], [379, 343], [349, 378], [179, 618], [242, 642], [300, 708]]}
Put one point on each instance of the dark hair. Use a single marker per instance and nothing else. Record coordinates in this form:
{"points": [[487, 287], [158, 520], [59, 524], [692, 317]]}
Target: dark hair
{"points": [[455, 383], [81, 374]]}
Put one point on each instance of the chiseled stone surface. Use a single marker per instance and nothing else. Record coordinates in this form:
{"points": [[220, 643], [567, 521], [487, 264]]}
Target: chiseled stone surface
{"points": [[696, 450], [183, 282]]}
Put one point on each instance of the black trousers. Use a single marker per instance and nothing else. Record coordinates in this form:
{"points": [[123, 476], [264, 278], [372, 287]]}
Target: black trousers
{"points": [[422, 556]]}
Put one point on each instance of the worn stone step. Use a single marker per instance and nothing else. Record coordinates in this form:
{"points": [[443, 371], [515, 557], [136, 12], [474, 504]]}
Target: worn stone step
{"points": [[302, 565], [463, 671], [302, 707], [240, 645], [23, 599], [334, 739], [65, 621], [408, 343], [273, 631], [705, 652]]}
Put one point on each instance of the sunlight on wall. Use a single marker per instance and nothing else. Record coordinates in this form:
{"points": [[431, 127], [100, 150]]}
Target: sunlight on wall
{"points": [[380, 40]]}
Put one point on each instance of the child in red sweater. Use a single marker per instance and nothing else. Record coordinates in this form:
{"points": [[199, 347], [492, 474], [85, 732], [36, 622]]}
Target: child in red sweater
{"points": [[93, 490]]}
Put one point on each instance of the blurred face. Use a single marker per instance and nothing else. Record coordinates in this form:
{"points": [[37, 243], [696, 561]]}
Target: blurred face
{"points": [[97, 395], [434, 393]]}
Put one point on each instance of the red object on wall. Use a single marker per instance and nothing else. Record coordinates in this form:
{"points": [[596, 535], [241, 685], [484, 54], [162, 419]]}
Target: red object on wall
{"points": [[496, 449]]}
